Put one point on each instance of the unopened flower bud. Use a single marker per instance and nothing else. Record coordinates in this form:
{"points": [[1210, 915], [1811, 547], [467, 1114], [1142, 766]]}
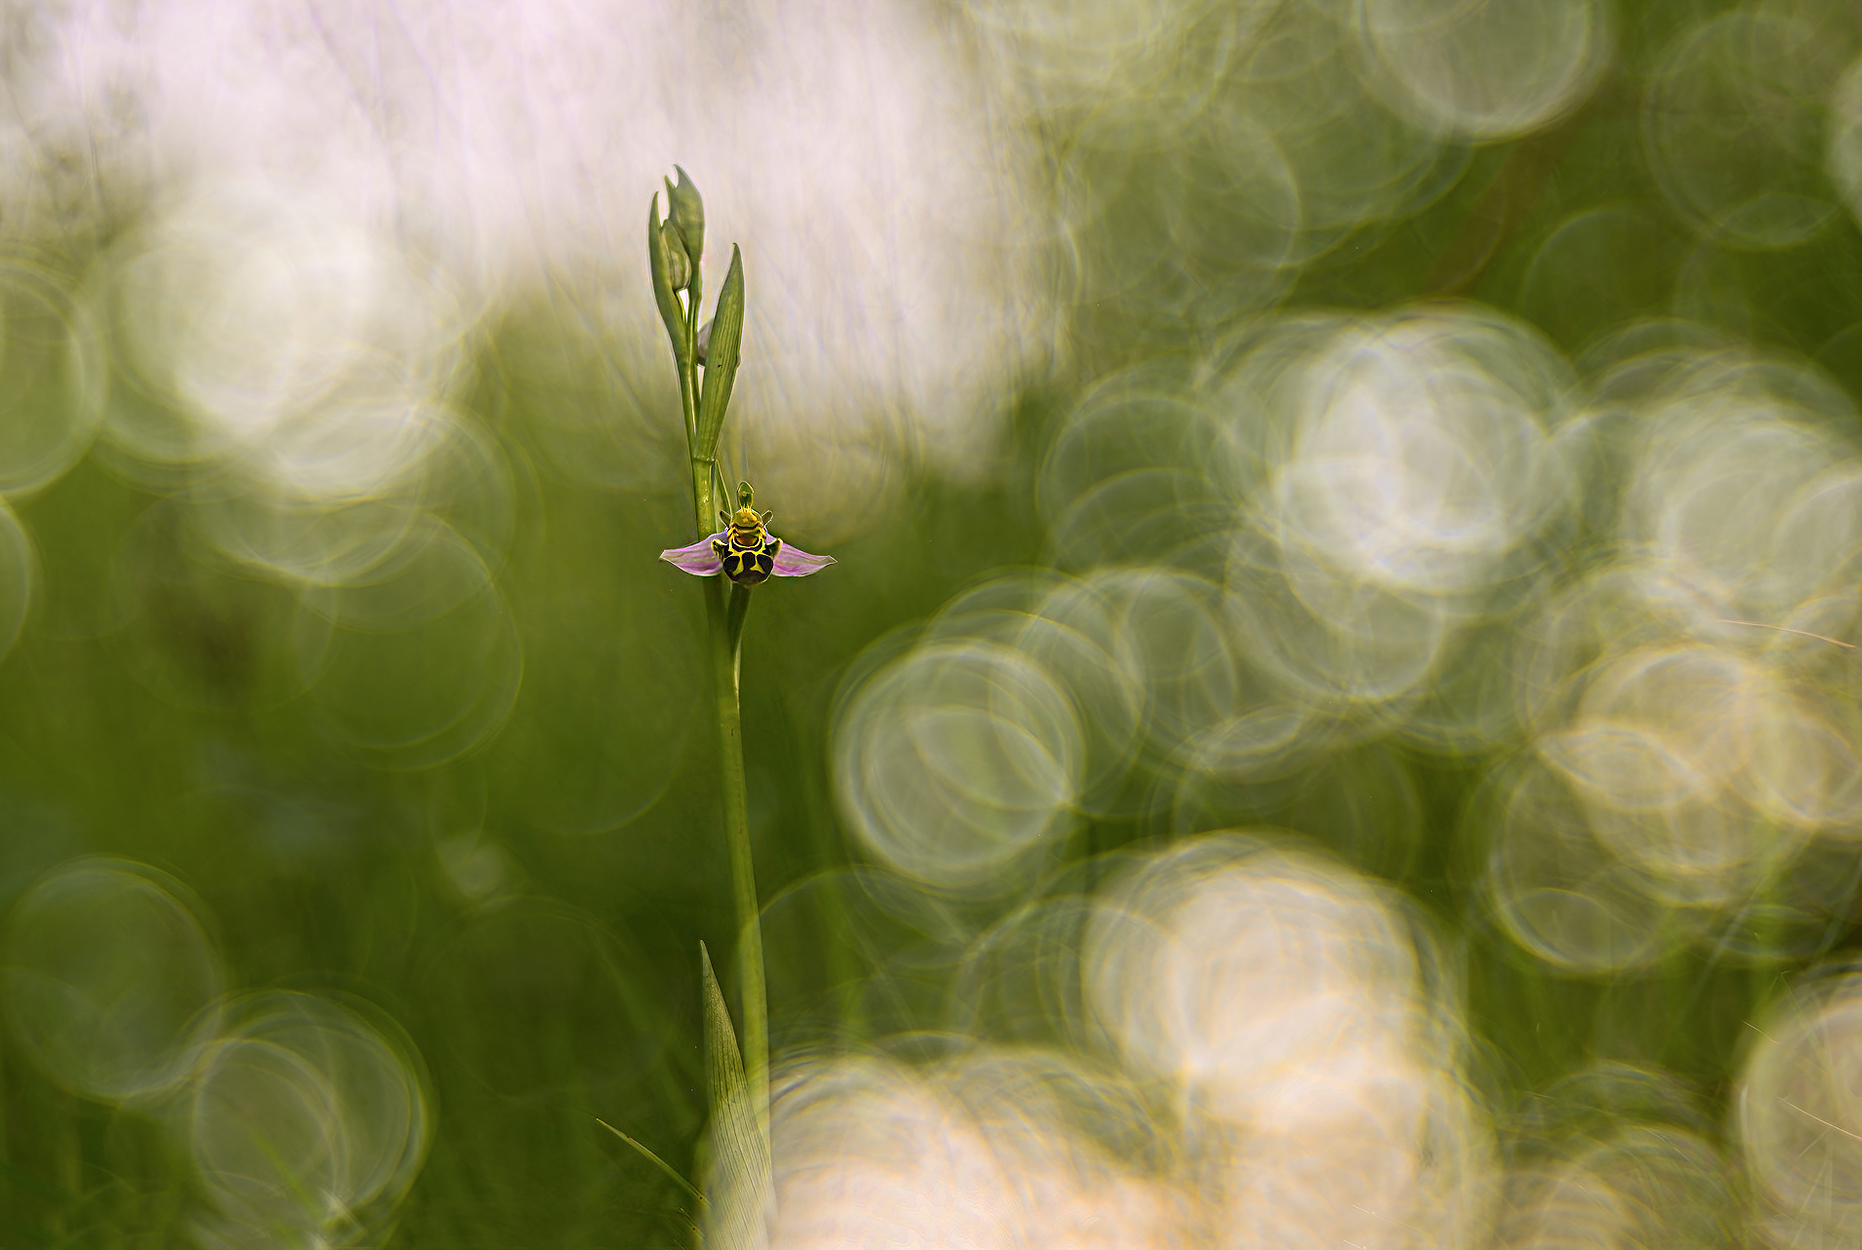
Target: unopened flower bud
{"points": [[678, 264], [687, 214]]}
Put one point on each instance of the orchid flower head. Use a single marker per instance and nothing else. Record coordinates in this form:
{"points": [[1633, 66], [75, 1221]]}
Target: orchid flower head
{"points": [[744, 550]]}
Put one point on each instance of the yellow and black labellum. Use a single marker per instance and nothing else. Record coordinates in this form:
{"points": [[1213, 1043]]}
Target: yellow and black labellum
{"points": [[746, 549]]}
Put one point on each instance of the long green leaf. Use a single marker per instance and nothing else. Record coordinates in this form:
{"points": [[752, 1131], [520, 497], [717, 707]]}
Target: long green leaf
{"points": [[727, 332], [739, 1200], [660, 264]]}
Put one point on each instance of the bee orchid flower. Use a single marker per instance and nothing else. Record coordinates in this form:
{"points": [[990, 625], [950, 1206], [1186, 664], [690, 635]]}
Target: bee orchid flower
{"points": [[744, 550]]}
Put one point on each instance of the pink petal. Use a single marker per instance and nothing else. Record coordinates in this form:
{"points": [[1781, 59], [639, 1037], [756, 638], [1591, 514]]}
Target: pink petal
{"points": [[794, 562], [698, 559]]}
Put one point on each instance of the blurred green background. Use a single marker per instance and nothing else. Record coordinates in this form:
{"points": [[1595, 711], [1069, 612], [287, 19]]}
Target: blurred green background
{"points": [[1399, 425]]}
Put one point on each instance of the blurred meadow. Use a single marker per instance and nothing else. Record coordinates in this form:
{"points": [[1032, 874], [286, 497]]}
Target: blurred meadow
{"points": [[1335, 721]]}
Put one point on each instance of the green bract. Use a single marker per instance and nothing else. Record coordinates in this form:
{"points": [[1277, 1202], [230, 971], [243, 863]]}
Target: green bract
{"points": [[721, 355]]}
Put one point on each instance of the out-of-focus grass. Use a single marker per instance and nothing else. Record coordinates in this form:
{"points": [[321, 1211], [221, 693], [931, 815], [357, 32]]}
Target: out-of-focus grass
{"points": [[563, 994]]}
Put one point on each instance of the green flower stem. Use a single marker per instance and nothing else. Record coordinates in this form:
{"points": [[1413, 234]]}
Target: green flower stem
{"points": [[688, 400], [704, 468], [726, 648], [704, 501], [725, 621]]}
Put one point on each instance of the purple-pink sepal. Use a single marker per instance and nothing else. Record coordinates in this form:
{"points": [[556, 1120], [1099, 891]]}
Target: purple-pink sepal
{"points": [[698, 559], [794, 562]]}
